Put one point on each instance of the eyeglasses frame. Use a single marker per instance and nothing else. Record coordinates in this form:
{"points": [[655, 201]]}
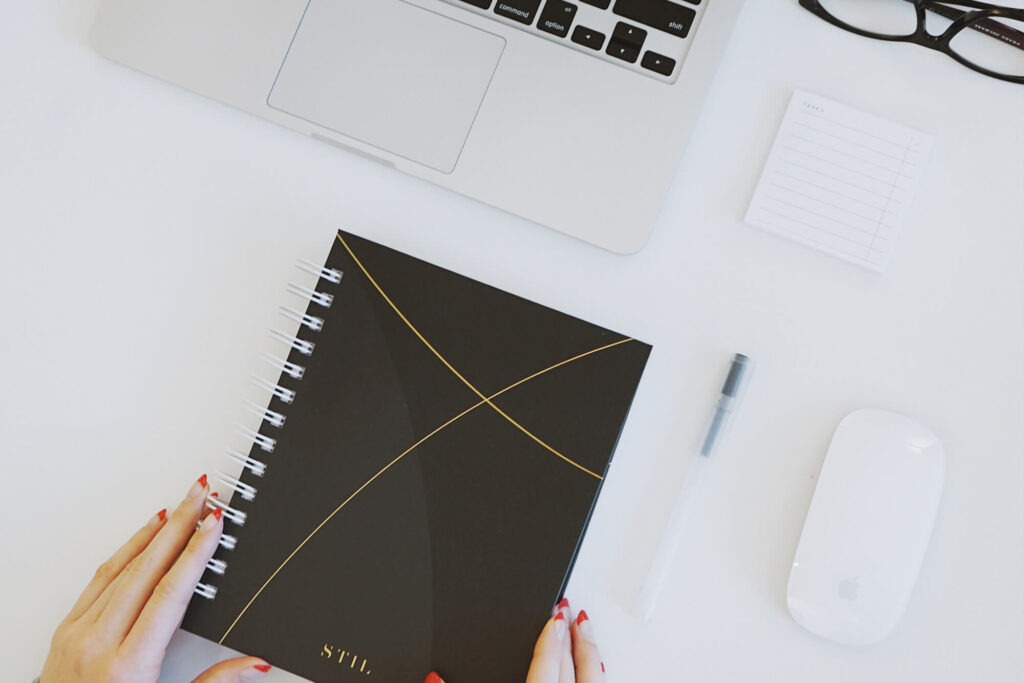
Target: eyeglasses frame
{"points": [[977, 18]]}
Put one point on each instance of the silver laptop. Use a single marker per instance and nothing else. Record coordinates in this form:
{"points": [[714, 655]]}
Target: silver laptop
{"points": [[572, 114]]}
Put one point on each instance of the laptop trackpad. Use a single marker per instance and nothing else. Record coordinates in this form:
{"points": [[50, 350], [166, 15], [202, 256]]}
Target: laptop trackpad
{"points": [[389, 74]]}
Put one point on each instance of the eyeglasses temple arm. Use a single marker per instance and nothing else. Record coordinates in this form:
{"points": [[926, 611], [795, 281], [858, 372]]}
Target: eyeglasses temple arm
{"points": [[988, 26]]}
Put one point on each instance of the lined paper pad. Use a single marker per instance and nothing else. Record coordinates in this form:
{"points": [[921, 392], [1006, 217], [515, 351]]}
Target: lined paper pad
{"points": [[839, 180]]}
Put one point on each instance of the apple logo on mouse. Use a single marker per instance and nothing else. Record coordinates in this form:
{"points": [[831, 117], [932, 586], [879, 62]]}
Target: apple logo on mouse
{"points": [[848, 589]]}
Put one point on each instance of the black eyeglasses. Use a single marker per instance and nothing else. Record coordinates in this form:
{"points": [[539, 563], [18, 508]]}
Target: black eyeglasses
{"points": [[986, 38]]}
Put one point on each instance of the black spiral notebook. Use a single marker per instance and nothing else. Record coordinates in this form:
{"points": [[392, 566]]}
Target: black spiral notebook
{"points": [[422, 479]]}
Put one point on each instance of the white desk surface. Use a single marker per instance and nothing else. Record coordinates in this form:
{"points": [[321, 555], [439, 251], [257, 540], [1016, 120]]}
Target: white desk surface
{"points": [[148, 235]]}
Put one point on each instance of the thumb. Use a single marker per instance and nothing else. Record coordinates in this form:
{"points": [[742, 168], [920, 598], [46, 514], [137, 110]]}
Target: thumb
{"points": [[234, 671]]}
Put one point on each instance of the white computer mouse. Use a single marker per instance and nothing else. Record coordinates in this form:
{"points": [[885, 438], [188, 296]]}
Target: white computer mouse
{"points": [[868, 527]]}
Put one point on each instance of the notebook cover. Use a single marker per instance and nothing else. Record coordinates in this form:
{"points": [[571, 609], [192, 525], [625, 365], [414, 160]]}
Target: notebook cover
{"points": [[427, 495]]}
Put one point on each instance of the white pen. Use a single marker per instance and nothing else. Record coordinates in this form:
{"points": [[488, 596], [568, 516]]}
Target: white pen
{"points": [[739, 371]]}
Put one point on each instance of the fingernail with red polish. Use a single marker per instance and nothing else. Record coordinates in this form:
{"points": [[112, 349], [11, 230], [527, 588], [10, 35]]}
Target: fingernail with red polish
{"points": [[584, 626], [432, 677], [162, 515], [263, 668], [602, 667], [197, 487], [211, 521]]}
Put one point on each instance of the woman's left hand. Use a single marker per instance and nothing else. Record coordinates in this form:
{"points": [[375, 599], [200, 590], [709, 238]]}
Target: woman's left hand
{"points": [[119, 629]]}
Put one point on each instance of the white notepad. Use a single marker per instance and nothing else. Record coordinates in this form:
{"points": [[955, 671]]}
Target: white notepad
{"points": [[839, 180]]}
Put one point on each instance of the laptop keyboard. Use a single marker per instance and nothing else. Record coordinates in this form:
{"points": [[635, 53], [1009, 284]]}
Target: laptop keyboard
{"points": [[646, 36]]}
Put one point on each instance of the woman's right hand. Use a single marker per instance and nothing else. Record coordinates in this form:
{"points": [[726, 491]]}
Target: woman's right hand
{"points": [[566, 651]]}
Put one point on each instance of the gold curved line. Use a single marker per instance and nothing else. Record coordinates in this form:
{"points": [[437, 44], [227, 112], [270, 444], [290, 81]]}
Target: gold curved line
{"points": [[455, 372], [393, 462], [336, 510]]}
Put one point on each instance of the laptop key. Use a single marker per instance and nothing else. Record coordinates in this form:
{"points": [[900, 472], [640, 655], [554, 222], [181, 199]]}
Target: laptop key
{"points": [[522, 11], [633, 22], [557, 17], [660, 14], [658, 63], [626, 42], [623, 51], [630, 35], [588, 37]]}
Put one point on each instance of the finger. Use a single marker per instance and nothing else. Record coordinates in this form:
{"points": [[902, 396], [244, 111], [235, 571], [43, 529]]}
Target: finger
{"points": [[159, 619], [101, 602], [547, 655], [209, 507], [566, 670], [589, 668], [232, 670], [140, 578], [115, 564]]}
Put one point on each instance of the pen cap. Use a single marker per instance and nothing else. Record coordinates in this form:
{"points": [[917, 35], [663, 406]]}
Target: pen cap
{"points": [[739, 371], [728, 400]]}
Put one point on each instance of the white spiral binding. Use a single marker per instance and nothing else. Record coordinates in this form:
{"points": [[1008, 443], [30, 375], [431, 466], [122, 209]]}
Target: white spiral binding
{"points": [[286, 395], [311, 321], [291, 369], [217, 566], [241, 488], [230, 513], [301, 345], [255, 466], [324, 273], [272, 417], [205, 590], [265, 443], [306, 293]]}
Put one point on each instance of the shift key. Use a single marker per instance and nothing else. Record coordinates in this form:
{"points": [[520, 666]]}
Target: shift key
{"points": [[659, 14]]}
